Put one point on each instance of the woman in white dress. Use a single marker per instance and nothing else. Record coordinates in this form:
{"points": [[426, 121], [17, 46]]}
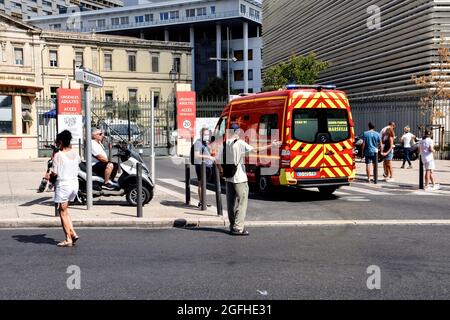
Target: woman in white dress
{"points": [[65, 167]]}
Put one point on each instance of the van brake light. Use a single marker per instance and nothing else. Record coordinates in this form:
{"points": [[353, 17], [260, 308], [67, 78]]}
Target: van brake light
{"points": [[285, 156]]}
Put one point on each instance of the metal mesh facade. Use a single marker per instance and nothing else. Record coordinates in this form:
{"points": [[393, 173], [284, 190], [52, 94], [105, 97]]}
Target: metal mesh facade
{"points": [[366, 59]]}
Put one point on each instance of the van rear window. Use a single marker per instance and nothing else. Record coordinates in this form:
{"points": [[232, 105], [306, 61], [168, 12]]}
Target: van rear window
{"points": [[309, 124]]}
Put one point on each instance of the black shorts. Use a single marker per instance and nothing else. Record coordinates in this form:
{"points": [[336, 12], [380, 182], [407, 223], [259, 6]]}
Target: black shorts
{"points": [[198, 171], [100, 167]]}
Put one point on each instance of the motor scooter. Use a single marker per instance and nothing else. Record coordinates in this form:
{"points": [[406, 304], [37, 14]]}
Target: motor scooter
{"points": [[127, 181]]}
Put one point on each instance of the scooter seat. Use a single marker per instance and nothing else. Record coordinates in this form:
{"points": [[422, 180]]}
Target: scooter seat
{"points": [[82, 167]]}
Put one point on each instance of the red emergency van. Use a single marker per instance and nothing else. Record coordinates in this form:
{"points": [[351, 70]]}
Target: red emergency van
{"points": [[315, 126]]}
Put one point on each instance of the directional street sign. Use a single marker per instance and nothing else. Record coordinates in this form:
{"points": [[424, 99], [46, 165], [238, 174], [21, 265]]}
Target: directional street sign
{"points": [[88, 78]]}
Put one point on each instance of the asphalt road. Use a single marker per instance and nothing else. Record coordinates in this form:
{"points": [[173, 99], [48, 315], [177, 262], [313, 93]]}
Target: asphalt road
{"points": [[272, 263], [359, 202]]}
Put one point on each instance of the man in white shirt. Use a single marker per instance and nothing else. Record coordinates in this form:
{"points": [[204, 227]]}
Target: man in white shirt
{"points": [[100, 163], [237, 186]]}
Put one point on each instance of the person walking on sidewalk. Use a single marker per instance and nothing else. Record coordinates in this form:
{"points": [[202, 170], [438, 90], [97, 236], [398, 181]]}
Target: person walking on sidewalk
{"points": [[407, 142], [202, 153], [388, 153], [384, 138], [235, 151], [65, 168], [370, 147], [426, 152]]}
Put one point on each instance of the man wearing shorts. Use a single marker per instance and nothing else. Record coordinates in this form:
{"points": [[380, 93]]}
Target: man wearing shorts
{"points": [[101, 166], [370, 147]]}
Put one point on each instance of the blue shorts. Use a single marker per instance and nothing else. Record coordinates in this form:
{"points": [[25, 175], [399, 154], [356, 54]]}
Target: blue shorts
{"points": [[389, 156], [370, 159]]}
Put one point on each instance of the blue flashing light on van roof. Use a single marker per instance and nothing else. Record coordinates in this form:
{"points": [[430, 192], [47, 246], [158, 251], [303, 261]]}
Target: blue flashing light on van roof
{"points": [[316, 87]]}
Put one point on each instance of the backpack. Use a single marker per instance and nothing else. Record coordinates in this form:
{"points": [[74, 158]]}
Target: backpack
{"points": [[229, 169]]}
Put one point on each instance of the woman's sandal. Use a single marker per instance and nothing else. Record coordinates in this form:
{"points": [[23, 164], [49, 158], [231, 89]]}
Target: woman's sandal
{"points": [[65, 243], [75, 238]]}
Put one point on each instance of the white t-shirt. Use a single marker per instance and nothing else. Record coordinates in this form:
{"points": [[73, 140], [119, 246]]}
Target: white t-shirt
{"points": [[65, 165], [425, 150], [406, 139], [237, 152], [97, 149]]}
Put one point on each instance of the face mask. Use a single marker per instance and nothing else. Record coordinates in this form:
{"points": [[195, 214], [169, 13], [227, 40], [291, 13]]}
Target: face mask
{"points": [[206, 138]]}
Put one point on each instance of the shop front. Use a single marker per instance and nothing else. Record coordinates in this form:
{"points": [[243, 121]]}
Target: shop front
{"points": [[18, 129]]}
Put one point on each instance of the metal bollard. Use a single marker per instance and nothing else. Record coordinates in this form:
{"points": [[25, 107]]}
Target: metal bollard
{"points": [[375, 170], [218, 192], [139, 190], [421, 174], [203, 182], [188, 182]]}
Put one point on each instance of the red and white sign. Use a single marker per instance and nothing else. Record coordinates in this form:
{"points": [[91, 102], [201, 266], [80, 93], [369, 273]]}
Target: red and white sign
{"points": [[186, 114], [13, 143], [70, 112]]}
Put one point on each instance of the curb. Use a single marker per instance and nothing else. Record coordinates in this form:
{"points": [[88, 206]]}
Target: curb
{"points": [[98, 223], [210, 223]]}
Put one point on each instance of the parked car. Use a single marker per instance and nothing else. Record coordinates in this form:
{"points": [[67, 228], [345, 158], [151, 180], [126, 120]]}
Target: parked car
{"points": [[117, 130]]}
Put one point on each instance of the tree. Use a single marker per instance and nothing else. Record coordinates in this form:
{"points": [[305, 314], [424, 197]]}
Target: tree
{"points": [[436, 85], [215, 88], [297, 70]]}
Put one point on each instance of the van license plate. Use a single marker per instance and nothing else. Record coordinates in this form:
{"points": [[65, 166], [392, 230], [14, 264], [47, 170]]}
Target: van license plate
{"points": [[306, 174]]}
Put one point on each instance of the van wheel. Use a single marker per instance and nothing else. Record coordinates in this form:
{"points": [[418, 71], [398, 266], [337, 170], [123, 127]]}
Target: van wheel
{"points": [[328, 191], [132, 194], [264, 185]]}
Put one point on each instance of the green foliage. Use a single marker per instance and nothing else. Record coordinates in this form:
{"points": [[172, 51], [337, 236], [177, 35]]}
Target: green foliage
{"points": [[215, 88], [298, 70]]}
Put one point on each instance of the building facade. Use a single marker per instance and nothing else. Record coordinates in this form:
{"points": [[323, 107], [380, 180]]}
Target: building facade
{"points": [[25, 9], [34, 63], [374, 47], [205, 24]]}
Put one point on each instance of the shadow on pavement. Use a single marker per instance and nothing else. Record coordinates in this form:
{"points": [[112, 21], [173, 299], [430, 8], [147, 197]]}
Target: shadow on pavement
{"points": [[43, 200], [177, 204], [36, 239]]}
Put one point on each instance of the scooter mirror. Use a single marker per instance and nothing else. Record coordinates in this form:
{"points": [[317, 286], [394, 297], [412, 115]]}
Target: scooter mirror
{"points": [[213, 138]]}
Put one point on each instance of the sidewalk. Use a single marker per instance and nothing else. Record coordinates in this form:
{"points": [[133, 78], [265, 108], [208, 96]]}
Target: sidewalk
{"points": [[407, 178], [22, 207]]}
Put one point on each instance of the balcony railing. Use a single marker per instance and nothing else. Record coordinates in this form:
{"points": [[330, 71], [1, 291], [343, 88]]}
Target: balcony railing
{"points": [[158, 22]]}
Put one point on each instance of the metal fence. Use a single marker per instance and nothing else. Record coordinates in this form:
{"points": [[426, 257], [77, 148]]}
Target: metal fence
{"points": [[126, 120], [405, 111]]}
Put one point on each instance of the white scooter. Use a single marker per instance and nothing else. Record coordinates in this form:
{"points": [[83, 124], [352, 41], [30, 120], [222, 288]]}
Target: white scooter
{"points": [[127, 181]]}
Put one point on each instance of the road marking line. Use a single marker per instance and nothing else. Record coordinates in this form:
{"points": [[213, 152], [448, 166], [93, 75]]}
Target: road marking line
{"points": [[366, 191], [350, 223], [182, 185], [340, 193]]}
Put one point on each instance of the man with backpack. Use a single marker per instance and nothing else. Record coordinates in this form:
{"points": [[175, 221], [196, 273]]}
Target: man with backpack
{"points": [[231, 163]]}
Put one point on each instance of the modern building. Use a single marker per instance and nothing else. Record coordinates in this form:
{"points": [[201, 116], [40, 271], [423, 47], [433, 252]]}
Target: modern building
{"points": [[24, 9], [374, 47], [34, 63], [202, 23]]}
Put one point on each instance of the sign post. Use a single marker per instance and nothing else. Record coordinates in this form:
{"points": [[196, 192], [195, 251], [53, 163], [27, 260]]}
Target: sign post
{"points": [[70, 115], [88, 79], [186, 114]]}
